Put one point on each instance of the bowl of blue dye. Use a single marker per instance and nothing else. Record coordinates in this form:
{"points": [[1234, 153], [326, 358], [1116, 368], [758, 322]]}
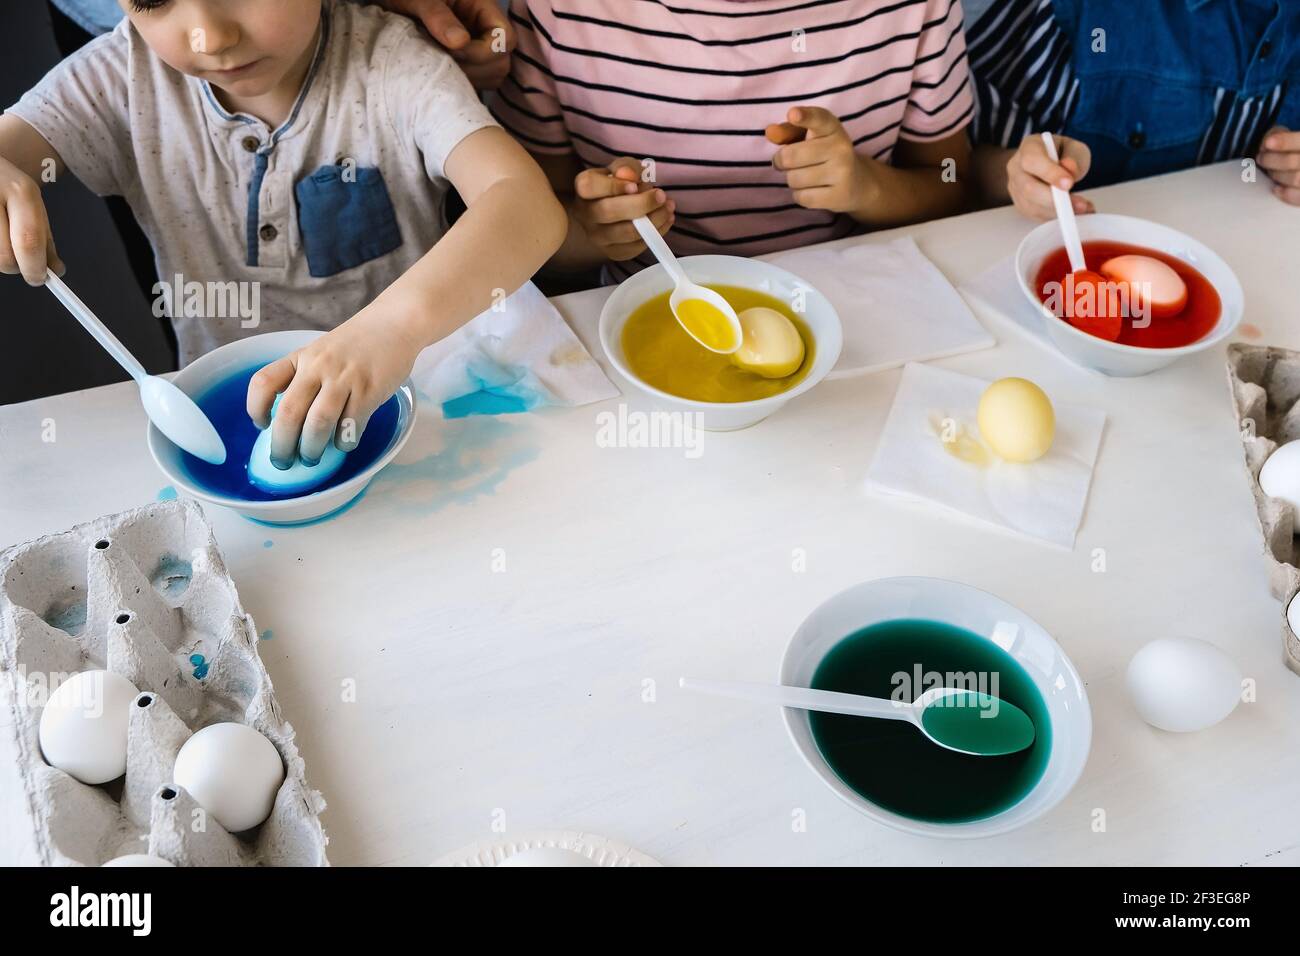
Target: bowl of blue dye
{"points": [[218, 382], [897, 637]]}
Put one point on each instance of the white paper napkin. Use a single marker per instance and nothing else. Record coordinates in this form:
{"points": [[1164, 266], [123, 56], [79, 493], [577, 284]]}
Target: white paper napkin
{"points": [[997, 289], [522, 354], [896, 306], [1044, 499]]}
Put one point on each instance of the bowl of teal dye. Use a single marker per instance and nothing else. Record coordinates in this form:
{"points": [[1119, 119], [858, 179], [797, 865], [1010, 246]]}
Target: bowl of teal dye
{"points": [[897, 637], [218, 382]]}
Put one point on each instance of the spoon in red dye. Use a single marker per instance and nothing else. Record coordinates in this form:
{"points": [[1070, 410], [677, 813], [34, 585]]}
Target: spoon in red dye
{"points": [[1086, 307]]}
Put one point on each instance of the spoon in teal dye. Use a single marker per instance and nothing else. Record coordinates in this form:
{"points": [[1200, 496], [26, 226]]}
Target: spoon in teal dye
{"points": [[961, 720], [171, 410]]}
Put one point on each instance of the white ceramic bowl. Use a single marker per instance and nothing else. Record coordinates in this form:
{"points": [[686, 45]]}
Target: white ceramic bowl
{"points": [[888, 599], [219, 364], [1112, 358], [822, 320]]}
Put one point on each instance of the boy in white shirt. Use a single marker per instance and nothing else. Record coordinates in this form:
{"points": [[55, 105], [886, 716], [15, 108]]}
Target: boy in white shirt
{"points": [[302, 145]]}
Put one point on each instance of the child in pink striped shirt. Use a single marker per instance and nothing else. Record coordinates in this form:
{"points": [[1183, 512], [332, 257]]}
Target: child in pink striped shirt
{"points": [[739, 126]]}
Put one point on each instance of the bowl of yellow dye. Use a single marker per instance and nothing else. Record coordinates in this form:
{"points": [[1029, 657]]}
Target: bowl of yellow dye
{"points": [[650, 349]]}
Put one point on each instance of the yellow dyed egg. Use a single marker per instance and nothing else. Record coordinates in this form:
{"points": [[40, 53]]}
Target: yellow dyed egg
{"points": [[772, 347], [1016, 419]]}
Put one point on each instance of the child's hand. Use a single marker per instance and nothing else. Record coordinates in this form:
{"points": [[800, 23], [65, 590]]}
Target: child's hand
{"points": [[1031, 175], [1279, 155], [26, 243], [606, 200], [820, 164], [331, 386]]}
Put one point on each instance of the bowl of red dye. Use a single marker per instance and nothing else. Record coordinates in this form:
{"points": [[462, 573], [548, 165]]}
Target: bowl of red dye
{"points": [[1109, 326]]}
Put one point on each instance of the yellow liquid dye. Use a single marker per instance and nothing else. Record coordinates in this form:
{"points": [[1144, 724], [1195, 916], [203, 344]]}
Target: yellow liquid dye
{"points": [[707, 324], [661, 353]]}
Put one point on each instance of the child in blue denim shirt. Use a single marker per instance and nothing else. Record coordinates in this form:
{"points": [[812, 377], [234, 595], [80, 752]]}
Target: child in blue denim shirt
{"points": [[1131, 90]]}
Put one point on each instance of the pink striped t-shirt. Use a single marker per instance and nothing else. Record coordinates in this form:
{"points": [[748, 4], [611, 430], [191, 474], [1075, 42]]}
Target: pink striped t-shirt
{"points": [[692, 84]]}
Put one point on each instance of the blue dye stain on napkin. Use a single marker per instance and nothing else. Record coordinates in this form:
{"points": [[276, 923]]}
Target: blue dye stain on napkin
{"points": [[200, 666], [494, 389]]}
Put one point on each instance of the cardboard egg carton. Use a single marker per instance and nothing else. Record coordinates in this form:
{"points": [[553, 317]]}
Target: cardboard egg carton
{"points": [[140, 594], [1265, 384]]}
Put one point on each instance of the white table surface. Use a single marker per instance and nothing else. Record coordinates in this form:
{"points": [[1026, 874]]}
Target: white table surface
{"points": [[487, 698]]}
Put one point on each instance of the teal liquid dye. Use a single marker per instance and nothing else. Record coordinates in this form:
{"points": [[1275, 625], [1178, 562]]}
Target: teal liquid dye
{"points": [[225, 404], [890, 762]]}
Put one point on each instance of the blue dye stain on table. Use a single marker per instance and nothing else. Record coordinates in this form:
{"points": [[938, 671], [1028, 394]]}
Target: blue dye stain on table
{"points": [[167, 494]]}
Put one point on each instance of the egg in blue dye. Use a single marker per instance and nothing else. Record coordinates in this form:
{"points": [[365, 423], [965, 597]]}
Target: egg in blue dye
{"points": [[225, 404]]}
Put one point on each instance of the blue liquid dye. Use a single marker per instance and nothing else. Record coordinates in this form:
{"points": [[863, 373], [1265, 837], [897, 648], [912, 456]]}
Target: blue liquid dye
{"points": [[225, 404]]}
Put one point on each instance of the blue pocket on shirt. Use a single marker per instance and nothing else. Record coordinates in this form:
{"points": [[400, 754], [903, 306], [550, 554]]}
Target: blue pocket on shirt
{"points": [[346, 218]]}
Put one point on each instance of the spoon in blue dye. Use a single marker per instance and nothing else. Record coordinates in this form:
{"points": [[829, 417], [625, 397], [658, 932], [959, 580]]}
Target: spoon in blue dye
{"points": [[171, 410], [961, 720]]}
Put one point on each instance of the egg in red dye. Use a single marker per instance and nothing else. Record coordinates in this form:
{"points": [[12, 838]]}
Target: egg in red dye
{"points": [[1198, 314], [1092, 311], [1149, 283]]}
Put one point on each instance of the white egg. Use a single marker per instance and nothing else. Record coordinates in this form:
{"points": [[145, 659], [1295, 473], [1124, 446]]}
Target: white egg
{"points": [[1182, 684], [546, 856], [231, 771], [1293, 615], [139, 859], [83, 726], [1280, 476]]}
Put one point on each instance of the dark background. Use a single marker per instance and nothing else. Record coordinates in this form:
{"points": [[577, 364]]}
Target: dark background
{"points": [[43, 351]]}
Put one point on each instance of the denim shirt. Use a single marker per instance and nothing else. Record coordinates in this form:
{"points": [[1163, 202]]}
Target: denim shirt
{"points": [[1179, 83], [93, 16]]}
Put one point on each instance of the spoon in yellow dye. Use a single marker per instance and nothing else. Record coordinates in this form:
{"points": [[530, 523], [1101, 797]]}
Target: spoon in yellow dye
{"points": [[706, 316]]}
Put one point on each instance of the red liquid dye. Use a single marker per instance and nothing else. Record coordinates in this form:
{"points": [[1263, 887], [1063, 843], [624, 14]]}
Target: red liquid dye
{"points": [[1196, 320]]}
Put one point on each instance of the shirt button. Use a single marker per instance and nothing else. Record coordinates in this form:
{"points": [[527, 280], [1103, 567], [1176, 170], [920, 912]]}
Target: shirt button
{"points": [[268, 233], [250, 144], [1137, 139]]}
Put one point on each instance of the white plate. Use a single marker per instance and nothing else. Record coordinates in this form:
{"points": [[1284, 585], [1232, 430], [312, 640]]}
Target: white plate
{"points": [[600, 850]]}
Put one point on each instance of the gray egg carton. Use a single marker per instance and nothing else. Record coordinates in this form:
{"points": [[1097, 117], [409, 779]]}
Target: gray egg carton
{"points": [[1265, 384], [139, 594]]}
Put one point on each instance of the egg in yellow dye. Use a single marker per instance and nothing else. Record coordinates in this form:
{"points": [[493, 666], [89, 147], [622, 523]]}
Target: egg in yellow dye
{"points": [[770, 344], [1016, 419], [664, 356]]}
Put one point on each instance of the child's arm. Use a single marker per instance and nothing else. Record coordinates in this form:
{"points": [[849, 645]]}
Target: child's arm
{"points": [[824, 171], [26, 242], [601, 204], [512, 225], [1025, 176]]}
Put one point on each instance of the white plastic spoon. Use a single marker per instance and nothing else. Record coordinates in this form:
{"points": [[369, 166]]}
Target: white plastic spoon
{"points": [[960, 720], [167, 406], [722, 331], [1065, 214]]}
